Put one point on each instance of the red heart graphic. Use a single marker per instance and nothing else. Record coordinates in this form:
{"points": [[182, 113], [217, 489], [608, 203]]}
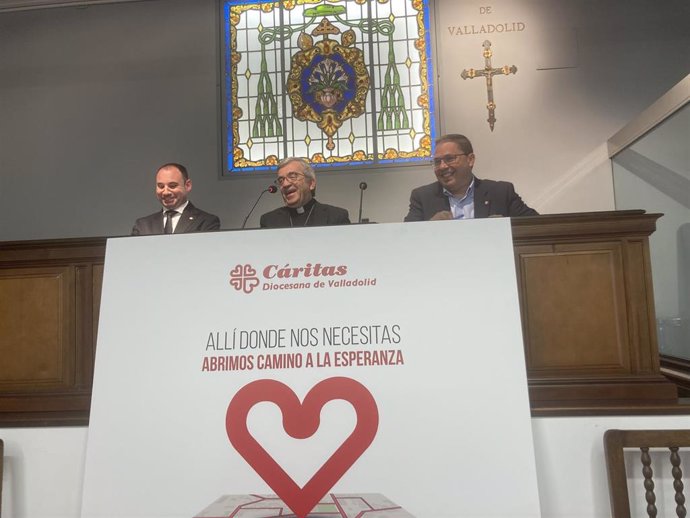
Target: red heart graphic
{"points": [[301, 420]]}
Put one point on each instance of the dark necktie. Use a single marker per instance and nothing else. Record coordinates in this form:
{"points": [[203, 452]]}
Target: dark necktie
{"points": [[168, 229]]}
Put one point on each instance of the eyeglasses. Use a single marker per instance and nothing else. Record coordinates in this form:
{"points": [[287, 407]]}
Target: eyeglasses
{"points": [[448, 159], [292, 176]]}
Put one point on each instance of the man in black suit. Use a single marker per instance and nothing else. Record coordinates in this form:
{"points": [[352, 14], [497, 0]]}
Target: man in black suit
{"points": [[297, 182], [178, 215], [457, 193]]}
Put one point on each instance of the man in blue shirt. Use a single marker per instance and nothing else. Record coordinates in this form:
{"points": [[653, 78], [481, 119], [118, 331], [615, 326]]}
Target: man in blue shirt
{"points": [[457, 193]]}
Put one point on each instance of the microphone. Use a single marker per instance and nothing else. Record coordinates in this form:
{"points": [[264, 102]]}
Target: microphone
{"points": [[272, 189], [362, 188]]}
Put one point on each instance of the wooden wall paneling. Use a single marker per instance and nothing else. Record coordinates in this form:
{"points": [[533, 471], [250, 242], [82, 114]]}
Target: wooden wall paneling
{"points": [[47, 330], [641, 302], [575, 303], [37, 343], [588, 314], [586, 302]]}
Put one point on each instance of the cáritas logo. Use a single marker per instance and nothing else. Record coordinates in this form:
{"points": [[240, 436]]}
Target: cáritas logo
{"points": [[246, 278], [274, 271], [243, 277]]}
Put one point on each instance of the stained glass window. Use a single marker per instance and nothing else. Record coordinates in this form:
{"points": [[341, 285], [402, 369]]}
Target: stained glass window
{"points": [[338, 82]]}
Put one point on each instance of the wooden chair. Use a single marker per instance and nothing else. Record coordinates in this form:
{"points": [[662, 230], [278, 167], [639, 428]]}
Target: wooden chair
{"points": [[615, 441]]}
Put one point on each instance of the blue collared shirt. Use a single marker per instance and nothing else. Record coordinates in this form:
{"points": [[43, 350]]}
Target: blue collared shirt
{"points": [[462, 208]]}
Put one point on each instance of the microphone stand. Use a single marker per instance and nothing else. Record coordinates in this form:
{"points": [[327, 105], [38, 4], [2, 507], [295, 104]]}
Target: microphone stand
{"points": [[362, 188], [271, 189]]}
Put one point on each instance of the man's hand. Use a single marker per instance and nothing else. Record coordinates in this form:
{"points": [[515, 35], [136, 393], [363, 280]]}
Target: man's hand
{"points": [[444, 214]]}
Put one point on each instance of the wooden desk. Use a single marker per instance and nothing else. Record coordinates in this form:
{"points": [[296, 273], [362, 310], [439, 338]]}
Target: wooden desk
{"points": [[587, 308], [585, 288], [50, 294]]}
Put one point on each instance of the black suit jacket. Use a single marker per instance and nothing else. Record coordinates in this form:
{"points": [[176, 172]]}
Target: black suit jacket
{"points": [[191, 220], [491, 198], [322, 215]]}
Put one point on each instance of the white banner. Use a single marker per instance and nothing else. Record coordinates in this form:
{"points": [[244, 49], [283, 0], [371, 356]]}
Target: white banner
{"points": [[320, 370]]}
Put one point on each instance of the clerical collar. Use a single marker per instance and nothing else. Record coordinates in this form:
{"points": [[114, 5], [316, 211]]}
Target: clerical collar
{"points": [[298, 211], [300, 216]]}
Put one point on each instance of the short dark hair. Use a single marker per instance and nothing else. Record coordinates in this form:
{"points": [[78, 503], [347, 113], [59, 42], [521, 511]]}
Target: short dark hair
{"points": [[182, 169], [461, 140]]}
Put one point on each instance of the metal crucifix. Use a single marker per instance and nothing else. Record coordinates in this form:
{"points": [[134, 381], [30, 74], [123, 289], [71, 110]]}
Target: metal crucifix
{"points": [[489, 72]]}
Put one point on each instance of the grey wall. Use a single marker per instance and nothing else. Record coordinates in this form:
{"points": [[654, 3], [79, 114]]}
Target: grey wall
{"points": [[93, 99]]}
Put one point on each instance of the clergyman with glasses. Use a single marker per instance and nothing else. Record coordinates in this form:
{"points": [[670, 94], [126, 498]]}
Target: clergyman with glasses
{"points": [[297, 183], [457, 193]]}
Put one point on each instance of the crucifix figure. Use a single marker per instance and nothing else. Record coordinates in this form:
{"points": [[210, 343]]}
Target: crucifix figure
{"points": [[489, 72]]}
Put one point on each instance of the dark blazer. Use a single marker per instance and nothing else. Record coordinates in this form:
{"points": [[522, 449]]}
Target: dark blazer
{"points": [[322, 215], [191, 220], [491, 198]]}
